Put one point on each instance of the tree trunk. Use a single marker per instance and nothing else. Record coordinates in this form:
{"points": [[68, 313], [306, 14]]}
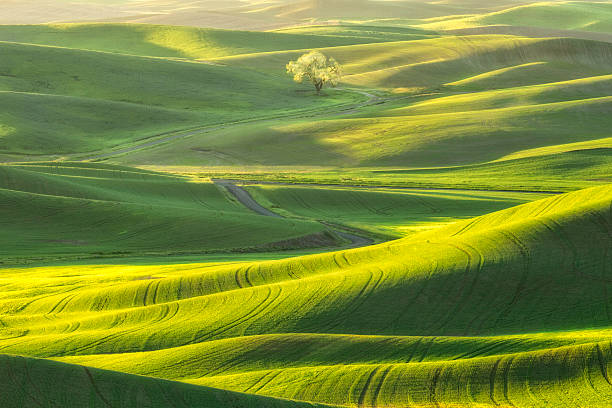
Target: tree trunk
{"points": [[318, 86]]}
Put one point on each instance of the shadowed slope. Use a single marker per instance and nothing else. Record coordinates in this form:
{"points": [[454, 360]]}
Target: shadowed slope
{"points": [[55, 210], [32, 382]]}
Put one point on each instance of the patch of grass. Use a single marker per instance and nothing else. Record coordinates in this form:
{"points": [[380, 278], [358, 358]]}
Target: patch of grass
{"points": [[51, 210], [396, 212], [395, 138]]}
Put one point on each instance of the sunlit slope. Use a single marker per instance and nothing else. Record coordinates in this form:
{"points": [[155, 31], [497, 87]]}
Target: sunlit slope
{"points": [[518, 262], [551, 92], [55, 211], [431, 63], [86, 101], [482, 98], [232, 14], [177, 41], [33, 382], [524, 380], [389, 211], [377, 32], [401, 369], [464, 128], [580, 16], [553, 168], [321, 10], [509, 308], [204, 361]]}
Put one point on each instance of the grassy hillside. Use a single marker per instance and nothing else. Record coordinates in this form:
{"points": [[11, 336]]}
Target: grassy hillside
{"points": [[182, 42], [101, 100], [521, 83], [36, 124], [463, 128], [28, 384], [375, 32], [233, 14], [319, 10], [552, 168], [430, 63], [173, 293], [491, 98], [54, 211], [381, 210], [508, 308], [569, 15], [62, 211]]}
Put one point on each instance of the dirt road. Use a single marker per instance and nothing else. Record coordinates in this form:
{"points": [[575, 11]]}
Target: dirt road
{"points": [[246, 199]]}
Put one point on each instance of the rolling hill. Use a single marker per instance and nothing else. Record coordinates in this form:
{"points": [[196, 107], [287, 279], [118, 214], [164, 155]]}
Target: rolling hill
{"points": [[55, 211], [61, 211], [392, 212], [182, 225], [521, 98], [508, 308], [430, 63], [234, 14], [87, 101], [92, 388], [560, 82], [568, 15], [464, 128], [182, 42]]}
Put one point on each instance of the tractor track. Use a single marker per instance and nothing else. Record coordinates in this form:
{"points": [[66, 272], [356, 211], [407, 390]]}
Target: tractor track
{"points": [[166, 137]]}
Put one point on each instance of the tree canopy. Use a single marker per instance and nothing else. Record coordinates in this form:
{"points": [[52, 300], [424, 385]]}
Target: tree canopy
{"points": [[315, 68]]}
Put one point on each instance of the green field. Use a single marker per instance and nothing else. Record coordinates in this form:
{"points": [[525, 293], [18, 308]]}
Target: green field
{"points": [[569, 15], [59, 211], [131, 97], [332, 320], [545, 98], [388, 211], [182, 225]]}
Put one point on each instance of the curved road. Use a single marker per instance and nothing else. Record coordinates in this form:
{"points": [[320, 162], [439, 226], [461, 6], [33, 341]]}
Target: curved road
{"points": [[338, 110], [246, 199]]}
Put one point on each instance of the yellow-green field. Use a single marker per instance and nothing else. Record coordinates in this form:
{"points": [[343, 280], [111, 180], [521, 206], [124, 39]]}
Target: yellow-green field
{"points": [[479, 312], [181, 225]]}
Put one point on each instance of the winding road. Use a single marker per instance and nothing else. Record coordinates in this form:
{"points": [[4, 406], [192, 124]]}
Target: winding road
{"points": [[246, 199], [180, 134]]}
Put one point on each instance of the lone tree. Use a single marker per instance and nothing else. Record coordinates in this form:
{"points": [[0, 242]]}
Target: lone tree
{"points": [[317, 69]]}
